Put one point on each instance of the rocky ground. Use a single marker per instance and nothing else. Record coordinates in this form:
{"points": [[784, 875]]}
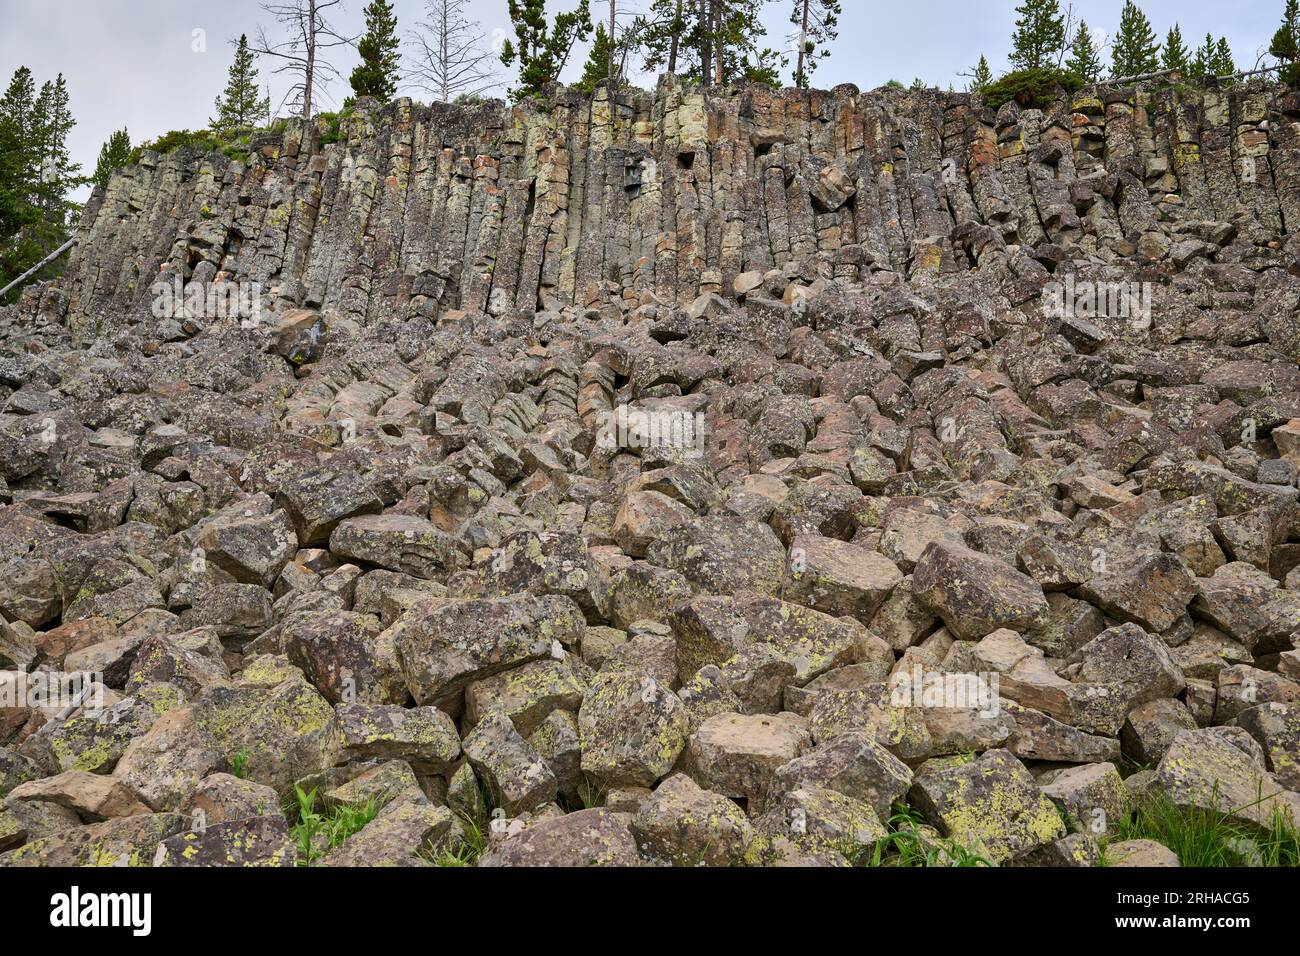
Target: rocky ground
{"points": [[933, 564]]}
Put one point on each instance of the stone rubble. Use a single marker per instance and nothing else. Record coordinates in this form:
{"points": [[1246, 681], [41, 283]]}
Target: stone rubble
{"points": [[693, 478]]}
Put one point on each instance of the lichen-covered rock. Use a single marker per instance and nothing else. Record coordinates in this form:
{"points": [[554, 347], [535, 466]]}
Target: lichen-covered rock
{"points": [[548, 563], [347, 657], [1150, 728], [516, 776], [262, 841], [1038, 736], [1152, 590], [737, 755], [397, 542], [93, 797], [526, 694], [446, 646], [991, 806], [94, 741], [583, 838], [722, 555], [1140, 853], [852, 764], [166, 763], [318, 499], [284, 732], [1276, 726], [1093, 796], [975, 594], [126, 841], [1249, 607], [839, 578], [686, 826], [223, 798], [632, 729], [1222, 769], [1129, 657], [897, 726], [425, 737], [403, 834], [252, 545], [822, 818]]}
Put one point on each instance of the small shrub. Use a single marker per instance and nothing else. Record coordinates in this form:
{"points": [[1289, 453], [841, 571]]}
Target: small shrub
{"points": [[1032, 89]]}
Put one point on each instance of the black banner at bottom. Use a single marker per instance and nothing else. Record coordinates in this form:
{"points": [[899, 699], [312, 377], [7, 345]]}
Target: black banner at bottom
{"points": [[145, 907]]}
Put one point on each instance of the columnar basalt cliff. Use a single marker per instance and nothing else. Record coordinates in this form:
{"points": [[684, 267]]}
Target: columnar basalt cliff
{"points": [[702, 477], [575, 201]]}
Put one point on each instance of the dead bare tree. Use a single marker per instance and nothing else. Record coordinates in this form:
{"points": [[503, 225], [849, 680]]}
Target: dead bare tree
{"points": [[1070, 27], [308, 35], [448, 58]]}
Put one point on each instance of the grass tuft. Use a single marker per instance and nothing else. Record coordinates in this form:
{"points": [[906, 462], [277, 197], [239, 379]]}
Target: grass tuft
{"points": [[1205, 838], [318, 832], [906, 844]]}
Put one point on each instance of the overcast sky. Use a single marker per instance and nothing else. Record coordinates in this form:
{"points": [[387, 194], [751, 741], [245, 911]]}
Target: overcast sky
{"points": [[156, 65]]}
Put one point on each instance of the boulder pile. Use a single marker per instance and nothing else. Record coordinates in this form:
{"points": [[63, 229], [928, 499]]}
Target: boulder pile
{"points": [[689, 479]]}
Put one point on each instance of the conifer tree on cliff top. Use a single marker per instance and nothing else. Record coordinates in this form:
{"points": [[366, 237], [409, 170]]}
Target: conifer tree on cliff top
{"points": [[1084, 60], [239, 107], [114, 154], [1136, 51], [377, 73], [542, 48], [1039, 35]]}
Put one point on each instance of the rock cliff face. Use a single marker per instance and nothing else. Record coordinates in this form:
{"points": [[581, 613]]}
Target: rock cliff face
{"points": [[421, 208], [747, 463]]}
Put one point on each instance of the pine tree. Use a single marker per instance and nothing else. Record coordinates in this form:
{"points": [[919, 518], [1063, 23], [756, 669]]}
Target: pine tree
{"points": [[1175, 55], [17, 167], [1203, 62], [17, 118], [114, 154], [717, 40], [58, 175], [982, 76], [817, 24], [541, 49], [36, 174], [377, 73], [240, 107], [1224, 65], [1136, 50], [1084, 60], [1286, 44], [1039, 35], [598, 65]]}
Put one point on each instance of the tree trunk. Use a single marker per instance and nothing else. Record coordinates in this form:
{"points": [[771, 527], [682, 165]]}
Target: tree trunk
{"points": [[309, 74], [706, 43], [444, 66], [803, 46], [719, 47], [672, 46], [613, 9]]}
